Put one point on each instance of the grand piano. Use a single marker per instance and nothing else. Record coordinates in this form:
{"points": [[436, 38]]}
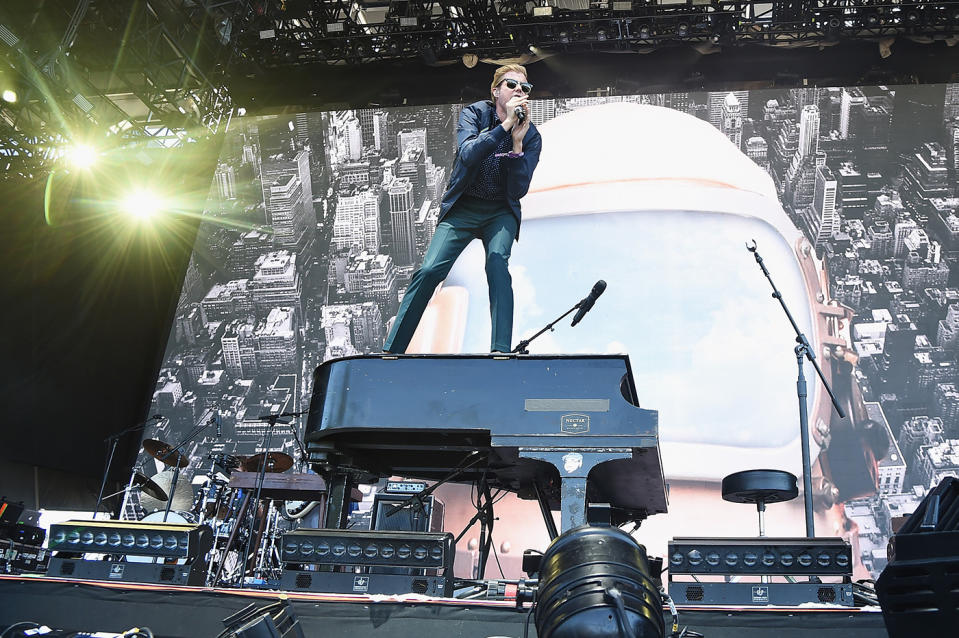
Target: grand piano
{"points": [[565, 430]]}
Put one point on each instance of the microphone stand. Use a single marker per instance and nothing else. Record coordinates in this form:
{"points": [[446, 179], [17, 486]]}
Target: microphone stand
{"points": [[271, 421], [803, 351], [521, 347], [296, 436], [113, 440]]}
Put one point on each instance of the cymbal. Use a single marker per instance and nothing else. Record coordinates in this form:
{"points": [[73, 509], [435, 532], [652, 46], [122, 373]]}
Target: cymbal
{"points": [[275, 462], [182, 498], [159, 450], [148, 487]]}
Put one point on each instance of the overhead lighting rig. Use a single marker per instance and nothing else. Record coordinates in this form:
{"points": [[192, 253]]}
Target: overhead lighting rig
{"points": [[295, 32], [147, 74]]}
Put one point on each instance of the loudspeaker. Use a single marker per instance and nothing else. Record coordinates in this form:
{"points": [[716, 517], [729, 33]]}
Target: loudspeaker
{"points": [[917, 588], [374, 582], [412, 518], [158, 573]]}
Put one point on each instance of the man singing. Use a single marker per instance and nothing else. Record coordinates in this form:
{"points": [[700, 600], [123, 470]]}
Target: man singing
{"points": [[498, 149]]}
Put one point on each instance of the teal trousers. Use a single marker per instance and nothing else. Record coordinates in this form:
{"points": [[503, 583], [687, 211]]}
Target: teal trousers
{"points": [[470, 218]]}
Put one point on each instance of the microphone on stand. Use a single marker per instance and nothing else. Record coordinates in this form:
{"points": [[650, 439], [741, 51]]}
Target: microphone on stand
{"points": [[586, 304], [520, 113]]}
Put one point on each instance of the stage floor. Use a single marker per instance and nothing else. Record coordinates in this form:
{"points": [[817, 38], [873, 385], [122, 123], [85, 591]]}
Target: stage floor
{"points": [[195, 612]]}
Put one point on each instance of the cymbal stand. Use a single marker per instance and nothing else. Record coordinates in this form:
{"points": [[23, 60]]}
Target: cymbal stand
{"points": [[268, 538], [113, 440], [176, 469], [240, 501]]}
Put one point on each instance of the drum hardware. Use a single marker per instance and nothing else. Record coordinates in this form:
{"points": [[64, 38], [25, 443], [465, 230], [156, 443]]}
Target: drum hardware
{"points": [[113, 440], [262, 462], [164, 453], [182, 494], [226, 462], [148, 487], [275, 462], [172, 456]]}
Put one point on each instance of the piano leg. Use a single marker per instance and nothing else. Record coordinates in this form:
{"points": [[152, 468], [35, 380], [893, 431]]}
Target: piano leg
{"points": [[341, 486], [574, 467]]}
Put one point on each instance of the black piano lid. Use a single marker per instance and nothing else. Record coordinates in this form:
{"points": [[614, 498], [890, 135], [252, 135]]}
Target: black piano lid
{"points": [[422, 415], [506, 395]]}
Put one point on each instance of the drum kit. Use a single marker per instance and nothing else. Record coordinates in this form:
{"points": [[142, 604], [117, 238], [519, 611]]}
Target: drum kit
{"points": [[239, 527]]}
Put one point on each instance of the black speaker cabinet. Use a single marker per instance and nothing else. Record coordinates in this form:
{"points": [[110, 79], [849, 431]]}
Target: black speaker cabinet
{"points": [[411, 518], [917, 589]]}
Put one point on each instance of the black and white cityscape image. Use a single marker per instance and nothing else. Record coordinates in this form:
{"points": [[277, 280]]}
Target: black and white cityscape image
{"points": [[316, 221]]}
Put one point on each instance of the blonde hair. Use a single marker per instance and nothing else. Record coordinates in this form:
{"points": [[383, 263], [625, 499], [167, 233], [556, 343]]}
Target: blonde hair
{"points": [[503, 70]]}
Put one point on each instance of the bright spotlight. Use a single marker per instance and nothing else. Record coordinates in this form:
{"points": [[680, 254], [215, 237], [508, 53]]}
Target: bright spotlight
{"points": [[82, 156], [10, 96], [142, 204]]}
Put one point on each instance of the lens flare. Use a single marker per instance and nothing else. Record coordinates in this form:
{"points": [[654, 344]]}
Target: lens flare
{"points": [[82, 156], [142, 204]]}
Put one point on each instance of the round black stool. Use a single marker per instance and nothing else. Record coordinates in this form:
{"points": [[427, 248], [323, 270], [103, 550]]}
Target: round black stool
{"points": [[760, 487]]}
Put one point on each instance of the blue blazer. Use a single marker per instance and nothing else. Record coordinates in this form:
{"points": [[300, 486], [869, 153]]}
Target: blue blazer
{"points": [[476, 139]]}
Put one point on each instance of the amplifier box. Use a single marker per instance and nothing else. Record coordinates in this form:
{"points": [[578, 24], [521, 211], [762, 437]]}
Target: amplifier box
{"points": [[17, 558], [159, 573], [350, 583], [423, 516], [21, 533], [760, 594]]}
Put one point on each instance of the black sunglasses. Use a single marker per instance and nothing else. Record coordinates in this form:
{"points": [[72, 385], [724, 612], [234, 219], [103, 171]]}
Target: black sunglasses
{"points": [[511, 84]]}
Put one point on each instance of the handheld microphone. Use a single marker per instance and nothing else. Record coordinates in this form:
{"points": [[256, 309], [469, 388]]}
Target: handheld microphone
{"points": [[586, 304], [520, 113]]}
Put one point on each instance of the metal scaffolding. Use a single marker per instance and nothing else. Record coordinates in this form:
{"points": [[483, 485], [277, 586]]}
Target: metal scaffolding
{"points": [[148, 72]]}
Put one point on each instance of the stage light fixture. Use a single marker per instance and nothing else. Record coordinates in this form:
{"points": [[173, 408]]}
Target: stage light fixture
{"points": [[378, 562], [142, 204], [164, 540], [81, 156], [596, 581], [356, 548], [765, 556], [755, 558], [179, 551], [10, 96]]}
